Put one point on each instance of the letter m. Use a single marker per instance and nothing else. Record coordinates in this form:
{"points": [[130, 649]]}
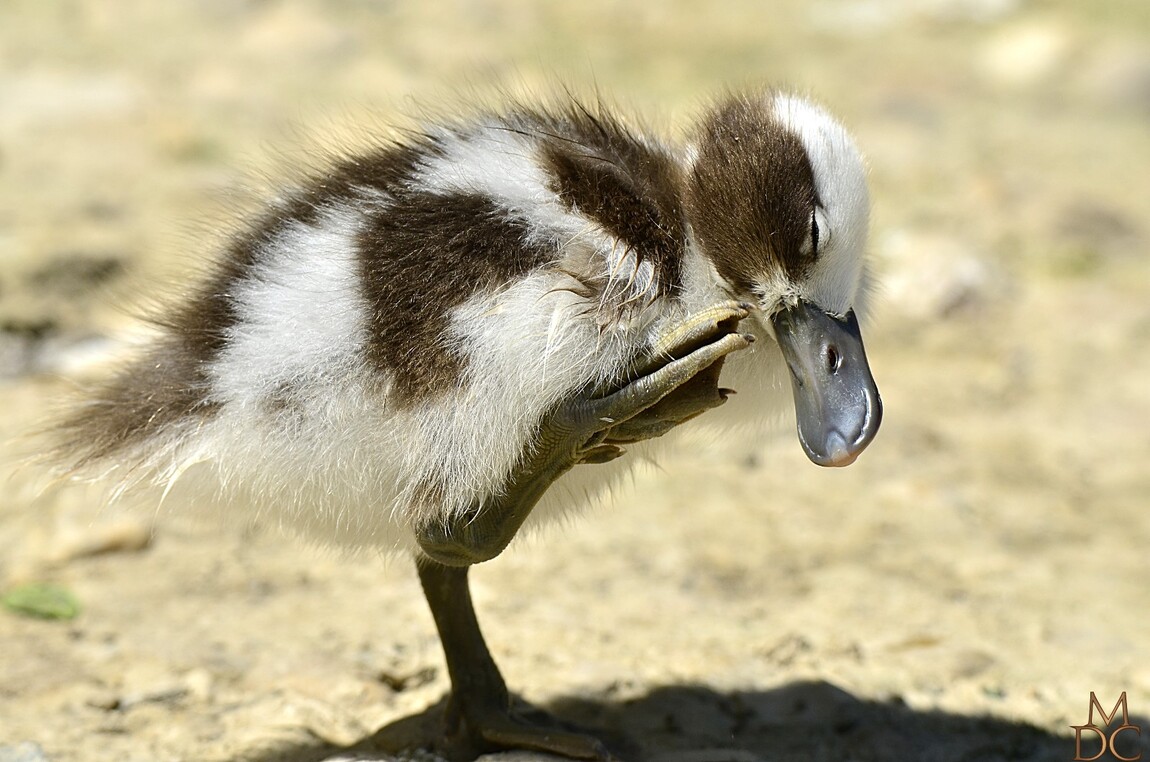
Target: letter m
{"points": [[1109, 718]]}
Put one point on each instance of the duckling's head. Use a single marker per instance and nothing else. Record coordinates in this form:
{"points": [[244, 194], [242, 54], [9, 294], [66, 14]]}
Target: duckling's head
{"points": [[777, 201]]}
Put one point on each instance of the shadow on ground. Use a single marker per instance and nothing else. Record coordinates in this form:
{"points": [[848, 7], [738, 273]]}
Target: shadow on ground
{"points": [[810, 721]]}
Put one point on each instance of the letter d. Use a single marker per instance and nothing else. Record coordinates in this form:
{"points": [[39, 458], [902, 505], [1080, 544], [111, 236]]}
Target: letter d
{"points": [[1078, 743]]}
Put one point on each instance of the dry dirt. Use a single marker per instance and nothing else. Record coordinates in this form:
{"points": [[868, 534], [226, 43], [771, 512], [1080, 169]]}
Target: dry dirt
{"points": [[955, 595]]}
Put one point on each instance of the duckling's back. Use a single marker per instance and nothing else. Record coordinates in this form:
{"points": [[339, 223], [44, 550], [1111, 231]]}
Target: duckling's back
{"points": [[380, 347]]}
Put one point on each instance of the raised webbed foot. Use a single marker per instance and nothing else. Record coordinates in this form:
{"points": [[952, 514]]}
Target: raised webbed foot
{"points": [[676, 380], [701, 392]]}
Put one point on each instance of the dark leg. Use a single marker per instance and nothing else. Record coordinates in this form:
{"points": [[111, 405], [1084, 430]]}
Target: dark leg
{"points": [[479, 710]]}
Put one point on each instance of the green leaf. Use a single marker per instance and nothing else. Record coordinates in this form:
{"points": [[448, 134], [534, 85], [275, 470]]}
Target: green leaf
{"points": [[42, 600]]}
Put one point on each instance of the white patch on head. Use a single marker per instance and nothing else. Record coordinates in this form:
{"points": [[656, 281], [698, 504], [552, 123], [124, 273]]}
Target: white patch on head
{"points": [[840, 181]]}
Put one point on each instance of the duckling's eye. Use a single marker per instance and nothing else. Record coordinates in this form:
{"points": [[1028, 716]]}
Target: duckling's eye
{"points": [[814, 234]]}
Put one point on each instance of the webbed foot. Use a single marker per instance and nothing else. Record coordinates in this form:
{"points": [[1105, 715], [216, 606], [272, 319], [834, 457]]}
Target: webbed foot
{"points": [[483, 724], [480, 717], [698, 394]]}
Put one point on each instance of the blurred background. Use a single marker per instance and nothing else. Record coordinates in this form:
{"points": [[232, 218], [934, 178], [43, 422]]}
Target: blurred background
{"points": [[956, 594]]}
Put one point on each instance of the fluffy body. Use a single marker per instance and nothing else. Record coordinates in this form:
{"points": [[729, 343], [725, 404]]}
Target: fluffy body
{"points": [[380, 348]]}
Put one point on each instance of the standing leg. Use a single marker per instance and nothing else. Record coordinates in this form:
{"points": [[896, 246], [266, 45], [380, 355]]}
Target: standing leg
{"points": [[479, 710], [678, 382]]}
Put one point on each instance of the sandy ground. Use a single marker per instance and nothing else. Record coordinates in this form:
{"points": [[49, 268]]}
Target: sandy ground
{"points": [[955, 595]]}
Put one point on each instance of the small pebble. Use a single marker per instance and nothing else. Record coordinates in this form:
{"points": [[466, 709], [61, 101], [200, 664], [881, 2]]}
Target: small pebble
{"points": [[520, 756], [1026, 54], [414, 755], [1119, 75], [126, 535], [25, 751], [931, 275], [707, 755], [200, 685], [872, 17], [159, 695]]}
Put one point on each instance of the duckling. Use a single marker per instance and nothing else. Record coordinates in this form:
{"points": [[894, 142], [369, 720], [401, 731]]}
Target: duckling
{"points": [[430, 346]]}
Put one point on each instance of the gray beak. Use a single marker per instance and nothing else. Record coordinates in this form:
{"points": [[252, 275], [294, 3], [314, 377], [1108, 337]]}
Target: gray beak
{"points": [[836, 400]]}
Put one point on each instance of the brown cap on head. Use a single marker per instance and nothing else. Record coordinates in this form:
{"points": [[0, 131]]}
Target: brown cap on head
{"points": [[751, 192]]}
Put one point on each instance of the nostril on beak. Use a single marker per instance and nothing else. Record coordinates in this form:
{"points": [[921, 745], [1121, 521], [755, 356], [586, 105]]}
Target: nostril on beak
{"points": [[833, 359]]}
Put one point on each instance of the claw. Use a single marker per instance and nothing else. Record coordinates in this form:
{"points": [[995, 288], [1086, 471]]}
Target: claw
{"points": [[604, 453]]}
